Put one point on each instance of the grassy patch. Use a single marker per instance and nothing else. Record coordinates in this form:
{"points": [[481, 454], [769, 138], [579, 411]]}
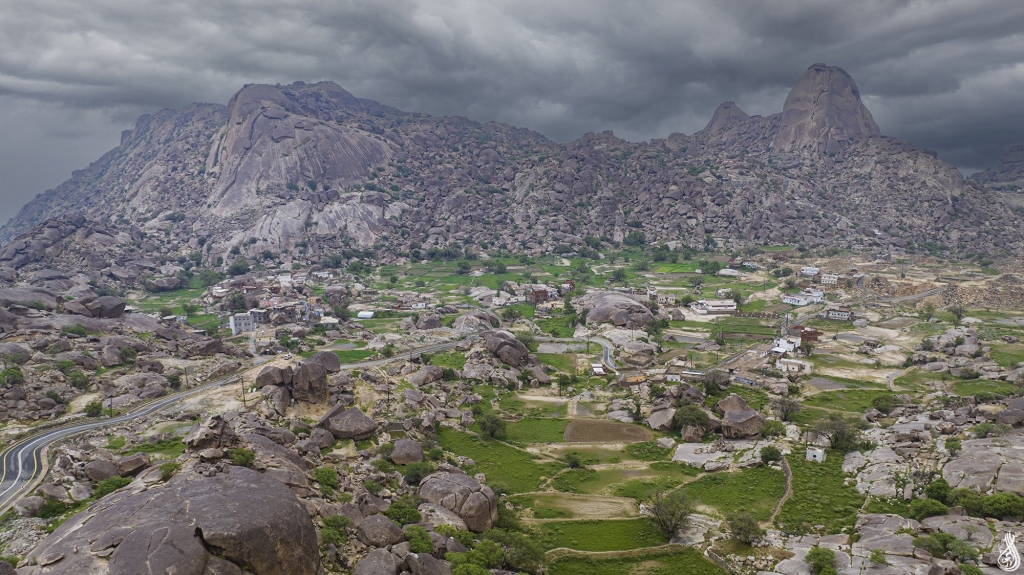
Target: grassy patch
{"points": [[452, 359], [574, 481], [852, 400], [556, 326], [688, 561], [352, 355], [512, 467], [896, 506], [820, 497], [647, 451], [164, 449], [754, 490], [563, 362], [533, 430], [600, 535], [974, 387]]}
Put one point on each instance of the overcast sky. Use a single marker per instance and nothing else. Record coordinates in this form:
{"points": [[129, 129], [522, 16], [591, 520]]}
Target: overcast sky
{"points": [[73, 74]]}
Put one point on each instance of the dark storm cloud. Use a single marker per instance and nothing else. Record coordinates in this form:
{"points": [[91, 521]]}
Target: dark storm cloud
{"points": [[943, 75]]}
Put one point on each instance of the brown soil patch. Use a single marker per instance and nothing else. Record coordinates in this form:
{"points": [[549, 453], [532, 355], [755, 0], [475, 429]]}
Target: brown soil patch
{"points": [[598, 431]]}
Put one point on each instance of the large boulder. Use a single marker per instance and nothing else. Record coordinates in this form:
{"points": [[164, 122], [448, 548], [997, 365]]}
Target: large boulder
{"points": [[506, 347], [379, 531], [329, 360], [407, 451], [731, 403], [426, 374], [192, 525], [212, 432], [617, 309], [428, 321], [131, 465], [106, 307], [351, 424], [309, 381], [376, 562], [742, 423], [100, 469], [661, 420], [474, 503], [271, 375], [425, 564]]}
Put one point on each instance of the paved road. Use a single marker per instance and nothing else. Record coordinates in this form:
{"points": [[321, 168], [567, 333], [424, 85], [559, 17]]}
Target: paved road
{"points": [[23, 462]]}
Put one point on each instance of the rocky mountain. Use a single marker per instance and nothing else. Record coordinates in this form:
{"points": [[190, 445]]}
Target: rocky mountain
{"points": [[304, 171], [1008, 175]]}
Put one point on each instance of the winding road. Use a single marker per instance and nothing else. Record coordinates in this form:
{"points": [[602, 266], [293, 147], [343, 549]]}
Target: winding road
{"points": [[23, 463]]}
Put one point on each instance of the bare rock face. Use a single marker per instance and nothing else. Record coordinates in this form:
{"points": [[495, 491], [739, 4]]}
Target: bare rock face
{"points": [[271, 375], [309, 382], [407, 451], [351, 424], [506, 347], [726, 114], [738, 419], [379, 531], [329, 360], [426, 374], [617, 309], [213, 432], [823, 107], [376, 562], [243, 516], [1009, 174], [474, 503], [100, 469]]}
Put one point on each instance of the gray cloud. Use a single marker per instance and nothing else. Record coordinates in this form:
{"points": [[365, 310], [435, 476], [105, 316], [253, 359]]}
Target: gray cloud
{"points": [[943, 74]]}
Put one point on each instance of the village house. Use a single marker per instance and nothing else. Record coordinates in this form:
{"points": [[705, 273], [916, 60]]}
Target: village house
{"points": [[240, 323], [723, 293], [809, 271], [829, 279], [783, 345], [365, 314], [815, 454], [667, 298], [714, 306], [790, 365], [837, 312]]}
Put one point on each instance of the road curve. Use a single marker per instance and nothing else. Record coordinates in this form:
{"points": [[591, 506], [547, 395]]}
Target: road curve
{"points": [[605, 345], [22, 464]]}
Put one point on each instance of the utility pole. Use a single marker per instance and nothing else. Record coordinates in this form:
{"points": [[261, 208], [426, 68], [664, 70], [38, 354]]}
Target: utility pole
{"points": [[243, 395]]}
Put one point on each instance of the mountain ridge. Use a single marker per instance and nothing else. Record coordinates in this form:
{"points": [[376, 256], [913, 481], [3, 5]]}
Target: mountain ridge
{"points": [[305, 170]]}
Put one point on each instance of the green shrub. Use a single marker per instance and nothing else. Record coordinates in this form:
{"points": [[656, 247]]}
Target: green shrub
{"points": [[415, 472], [938, 490], [373, 487], [109, 485], [770, 453], [487, 554], [820, 559], [953, 446], [383, 465], [51, 509], [923, 508], [11, 560], [968, 569], [773, 428], [167, 470], [885, 403], [1001, 505], [463, 537], [468, 568], [745, 528], [969, 499], [93, 409], [936, 544], [385, 449], [327, 477], [419, 539], [78, 380], [877, 557], [242, 457], [77, 329], [404, 511]]}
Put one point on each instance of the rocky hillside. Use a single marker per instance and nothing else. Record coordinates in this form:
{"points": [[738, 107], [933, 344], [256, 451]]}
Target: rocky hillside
{"points": [[303, 171], [1008, 175]]}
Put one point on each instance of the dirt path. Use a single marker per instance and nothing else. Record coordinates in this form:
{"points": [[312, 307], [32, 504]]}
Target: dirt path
{"points": [[789, 491], [584, 506]]}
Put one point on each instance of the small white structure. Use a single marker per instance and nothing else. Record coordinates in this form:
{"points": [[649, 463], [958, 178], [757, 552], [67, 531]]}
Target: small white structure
{"points": [[815, 454], [790, 365], [829, 279], [329, 321], [723, 293], [597, 369], [241, 322], [809, 271], [714, 306], [837, 312], [418, 305], [365, 314]]}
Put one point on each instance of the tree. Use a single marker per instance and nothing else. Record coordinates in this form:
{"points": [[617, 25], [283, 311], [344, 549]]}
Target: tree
{"points": [[388, 350], [958, 313], [573, 460], [93, 409], [190, 308], [670, 511], [923, 508], [954, 445], [885, 403], [511, 314], [619, 275], [938, 490], [770, 453], [1002, 505], [715, 381], [690, 415], [785, 407], [841, 434], [526, 338], [492, 425], [238, 267], [745, 528], [12, 376], [498, 267]]}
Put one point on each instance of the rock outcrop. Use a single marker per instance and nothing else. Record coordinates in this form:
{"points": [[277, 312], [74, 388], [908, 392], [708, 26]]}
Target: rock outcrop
{"points": [[822, 111], [474, 503], [506, 347], [738, 419], [192, 525]]}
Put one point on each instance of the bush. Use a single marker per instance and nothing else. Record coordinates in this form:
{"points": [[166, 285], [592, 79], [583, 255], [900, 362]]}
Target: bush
{"points": [[469, 569], [51, 509], [372, 486], [745, 528], [487, 554], [821, 559], [923, 508], [877, 557], [110, 485], [404, 511], [415, 472], [492, 425], [770, 453], [969, 499], [689, 415], [327, 477], [77, 329], [573, 460], [333, 532], [93, 409], [463, 537], [78, 380], [938, 490], [521, 553], [12, 376], [885, 403], [242, 457], [1002, 505], [773, 428], [167, 470], [647, 451], [419, 540], [954, 445]]}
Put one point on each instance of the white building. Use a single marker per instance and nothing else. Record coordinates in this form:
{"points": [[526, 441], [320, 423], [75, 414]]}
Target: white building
{"points": [[815, 454], [714, 306], [789, 365], [365, 314], [829, 279], [809, 271], [241, 322], [597, 369], [787, 344]]}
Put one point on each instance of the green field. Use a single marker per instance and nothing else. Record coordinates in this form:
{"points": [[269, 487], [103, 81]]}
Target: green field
{"points": [[976, 386], [452, 359], [535, 430], [820, 496], [597, 535], [555, 326], [513, 468], [851, 400], [1007, 356], [636, 483], [561, 361], [754, 490]]}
